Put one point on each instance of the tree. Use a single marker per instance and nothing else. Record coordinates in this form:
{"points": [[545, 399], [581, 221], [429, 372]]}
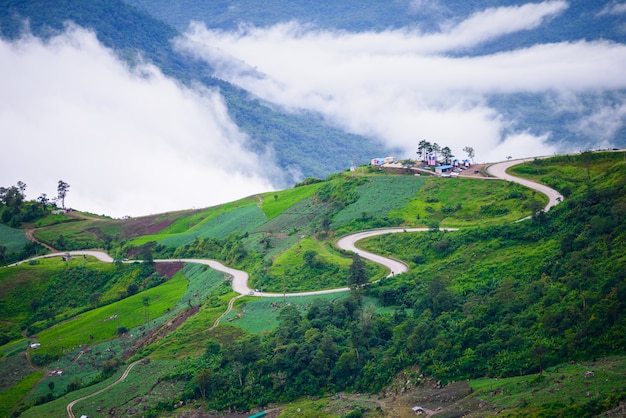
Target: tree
{"points": [[435, 149], [43, 199], [446, 153], [62, 190], [146, 304], [203, 380], [131, 289], [424, 148], [470, 152], [358, 274]]}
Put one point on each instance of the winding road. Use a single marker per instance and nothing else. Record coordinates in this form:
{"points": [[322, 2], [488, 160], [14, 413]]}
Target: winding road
{"points": [[240, 278]]}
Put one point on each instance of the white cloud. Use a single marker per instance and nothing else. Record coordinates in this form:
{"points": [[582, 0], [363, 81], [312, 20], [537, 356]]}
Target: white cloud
{"points": [[129, 142], [613, 9], [402, 86], [604, 123]]}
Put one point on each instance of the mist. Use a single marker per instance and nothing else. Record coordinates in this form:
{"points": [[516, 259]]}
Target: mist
{"points": [[128, 141], [401, 86]]}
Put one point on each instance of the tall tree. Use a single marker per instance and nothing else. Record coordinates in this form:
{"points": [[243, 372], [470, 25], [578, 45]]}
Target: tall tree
{"points": [[446, 153], [470, 152], [43, 199], [435, 150], [358, 274], [423, 149], [62, 190]]}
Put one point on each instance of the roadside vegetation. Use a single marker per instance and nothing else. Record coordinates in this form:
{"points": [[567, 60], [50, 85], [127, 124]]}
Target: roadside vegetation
{"points": [[515, 301]]}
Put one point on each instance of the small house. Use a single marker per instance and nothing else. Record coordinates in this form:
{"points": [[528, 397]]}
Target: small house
{"points": [[418, 410], [466, 163], [35, 345], [443, 169]]}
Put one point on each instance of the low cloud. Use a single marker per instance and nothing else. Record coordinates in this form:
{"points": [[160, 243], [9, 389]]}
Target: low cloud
{"points": [[402, 85], [128, 141]]}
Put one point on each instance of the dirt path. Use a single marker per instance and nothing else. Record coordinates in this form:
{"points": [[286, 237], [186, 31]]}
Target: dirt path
{"points": [[70, 405], [30, 234]]}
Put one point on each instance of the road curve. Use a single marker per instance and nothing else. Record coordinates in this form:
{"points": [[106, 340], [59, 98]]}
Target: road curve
{"points": [[499, 170], [240, 278], [70, 405], [348, 242]]}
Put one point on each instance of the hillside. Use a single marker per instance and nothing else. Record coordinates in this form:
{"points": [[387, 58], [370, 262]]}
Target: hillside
{"points": [[493, 299]]}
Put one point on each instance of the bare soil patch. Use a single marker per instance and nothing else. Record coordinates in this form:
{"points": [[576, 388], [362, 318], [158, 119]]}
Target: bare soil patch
{"points": [[160, 332], [169, 270]]}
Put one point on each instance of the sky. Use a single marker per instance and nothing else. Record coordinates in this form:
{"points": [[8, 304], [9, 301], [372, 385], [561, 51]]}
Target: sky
{"points": [[132, 142]]}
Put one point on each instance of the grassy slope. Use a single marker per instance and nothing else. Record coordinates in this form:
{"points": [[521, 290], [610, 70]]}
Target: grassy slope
{"points": [[184, 343], [101, 323], [11, 238]]}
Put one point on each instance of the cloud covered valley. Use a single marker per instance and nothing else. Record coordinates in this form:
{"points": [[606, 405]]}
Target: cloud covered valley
{"points": [[132, 141]]}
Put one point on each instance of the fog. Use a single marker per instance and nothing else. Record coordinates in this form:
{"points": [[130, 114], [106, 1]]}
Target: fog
{"points": [[403, 85], [127, 141], [131, 141]]}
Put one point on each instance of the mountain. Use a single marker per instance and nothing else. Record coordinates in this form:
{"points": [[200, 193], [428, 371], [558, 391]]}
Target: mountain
{"points": [[302, 143], [540, 113], [492, 315]]}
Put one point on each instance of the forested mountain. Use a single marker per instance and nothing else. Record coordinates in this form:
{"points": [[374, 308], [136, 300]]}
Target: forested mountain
{"points": [[379, 15], [537, 112], [288, 137]]}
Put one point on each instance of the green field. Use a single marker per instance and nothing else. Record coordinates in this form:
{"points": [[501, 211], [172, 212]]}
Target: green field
{"points": [[456, 202], [564, 388], [277, 202], [11, 238], [101, 324]]}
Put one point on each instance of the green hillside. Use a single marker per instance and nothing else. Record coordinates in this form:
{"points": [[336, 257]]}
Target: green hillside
{"points": [[519, 308]]}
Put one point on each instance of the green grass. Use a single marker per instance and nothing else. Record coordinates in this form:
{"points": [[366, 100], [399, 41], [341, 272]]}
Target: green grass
{"points": [[21, 284], [11, 397], [101, 323], [239, 218], [190, 338], [142, 387], [13, 239], [380, 196], [257, 315], [277, 202], [455, 202], [562, 384], [14, 347], [293, 256], [568, 173]]}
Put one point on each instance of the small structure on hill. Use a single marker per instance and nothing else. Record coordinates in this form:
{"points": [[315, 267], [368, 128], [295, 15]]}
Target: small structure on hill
{"points": [[418, 410], [381, 161], [442, 169]]}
